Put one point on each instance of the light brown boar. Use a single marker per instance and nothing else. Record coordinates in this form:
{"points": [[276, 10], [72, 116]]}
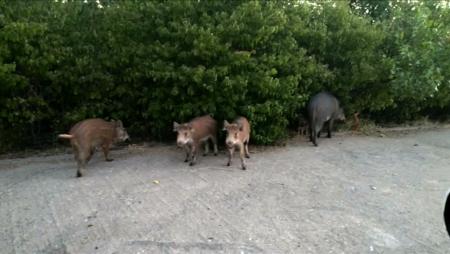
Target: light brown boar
{"points": [[356, 124], [192, 134], [89, 134], [302, 126], [238, 136]]}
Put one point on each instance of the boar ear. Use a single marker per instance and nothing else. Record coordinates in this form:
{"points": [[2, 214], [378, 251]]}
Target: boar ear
{"points": [[191, 128], [175, 126], [225, 125], [119, 124]]}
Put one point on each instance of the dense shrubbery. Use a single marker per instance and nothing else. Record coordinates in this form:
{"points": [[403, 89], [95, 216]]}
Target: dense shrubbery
{"points": [[152, 62]]}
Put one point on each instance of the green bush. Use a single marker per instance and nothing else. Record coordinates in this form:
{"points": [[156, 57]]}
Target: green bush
{"points": [[152, 62], [417, 45]]}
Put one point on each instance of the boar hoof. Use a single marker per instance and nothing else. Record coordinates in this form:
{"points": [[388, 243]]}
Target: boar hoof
{"points": [[109, 159], [205, 154], [215, 154], [186, 160], [191, 164], [244, 167], [79, 174], [228, 164], [247, 156]]}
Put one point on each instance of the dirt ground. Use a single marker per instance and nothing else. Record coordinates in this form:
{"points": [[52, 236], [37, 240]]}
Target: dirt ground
{"points": [[352, 194]]}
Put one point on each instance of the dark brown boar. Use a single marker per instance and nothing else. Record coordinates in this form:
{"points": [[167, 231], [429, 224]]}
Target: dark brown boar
{"points": [[238, 136], [323, 108], [89, 134], [192, 134]]}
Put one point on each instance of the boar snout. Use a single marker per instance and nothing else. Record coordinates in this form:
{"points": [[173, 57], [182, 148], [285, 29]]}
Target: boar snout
{"points": [[230, 143], [180, 143], [127, 138]]}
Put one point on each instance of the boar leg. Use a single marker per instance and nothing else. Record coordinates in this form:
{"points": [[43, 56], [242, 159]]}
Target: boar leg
{"points": [[105, 148], [81, 169], [80, 166], [241, 154], [83, 158], [302, 131], [194, 151], [206, 151], [330, 126], [188, 152], [247, 154], [314, 134], [89, 155], [75, 151], [79, 157], [314, 137], [214, 141], [230, 155]]}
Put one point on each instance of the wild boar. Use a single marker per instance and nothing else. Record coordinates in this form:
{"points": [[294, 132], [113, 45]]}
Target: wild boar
{"points": [[356, 124], [89, 134], [192, 134], [323, 107], [302, 126], [238, 135]]}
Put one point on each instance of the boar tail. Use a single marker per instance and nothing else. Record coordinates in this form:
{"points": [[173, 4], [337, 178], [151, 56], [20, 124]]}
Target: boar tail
{"points": [[68, 136]]}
